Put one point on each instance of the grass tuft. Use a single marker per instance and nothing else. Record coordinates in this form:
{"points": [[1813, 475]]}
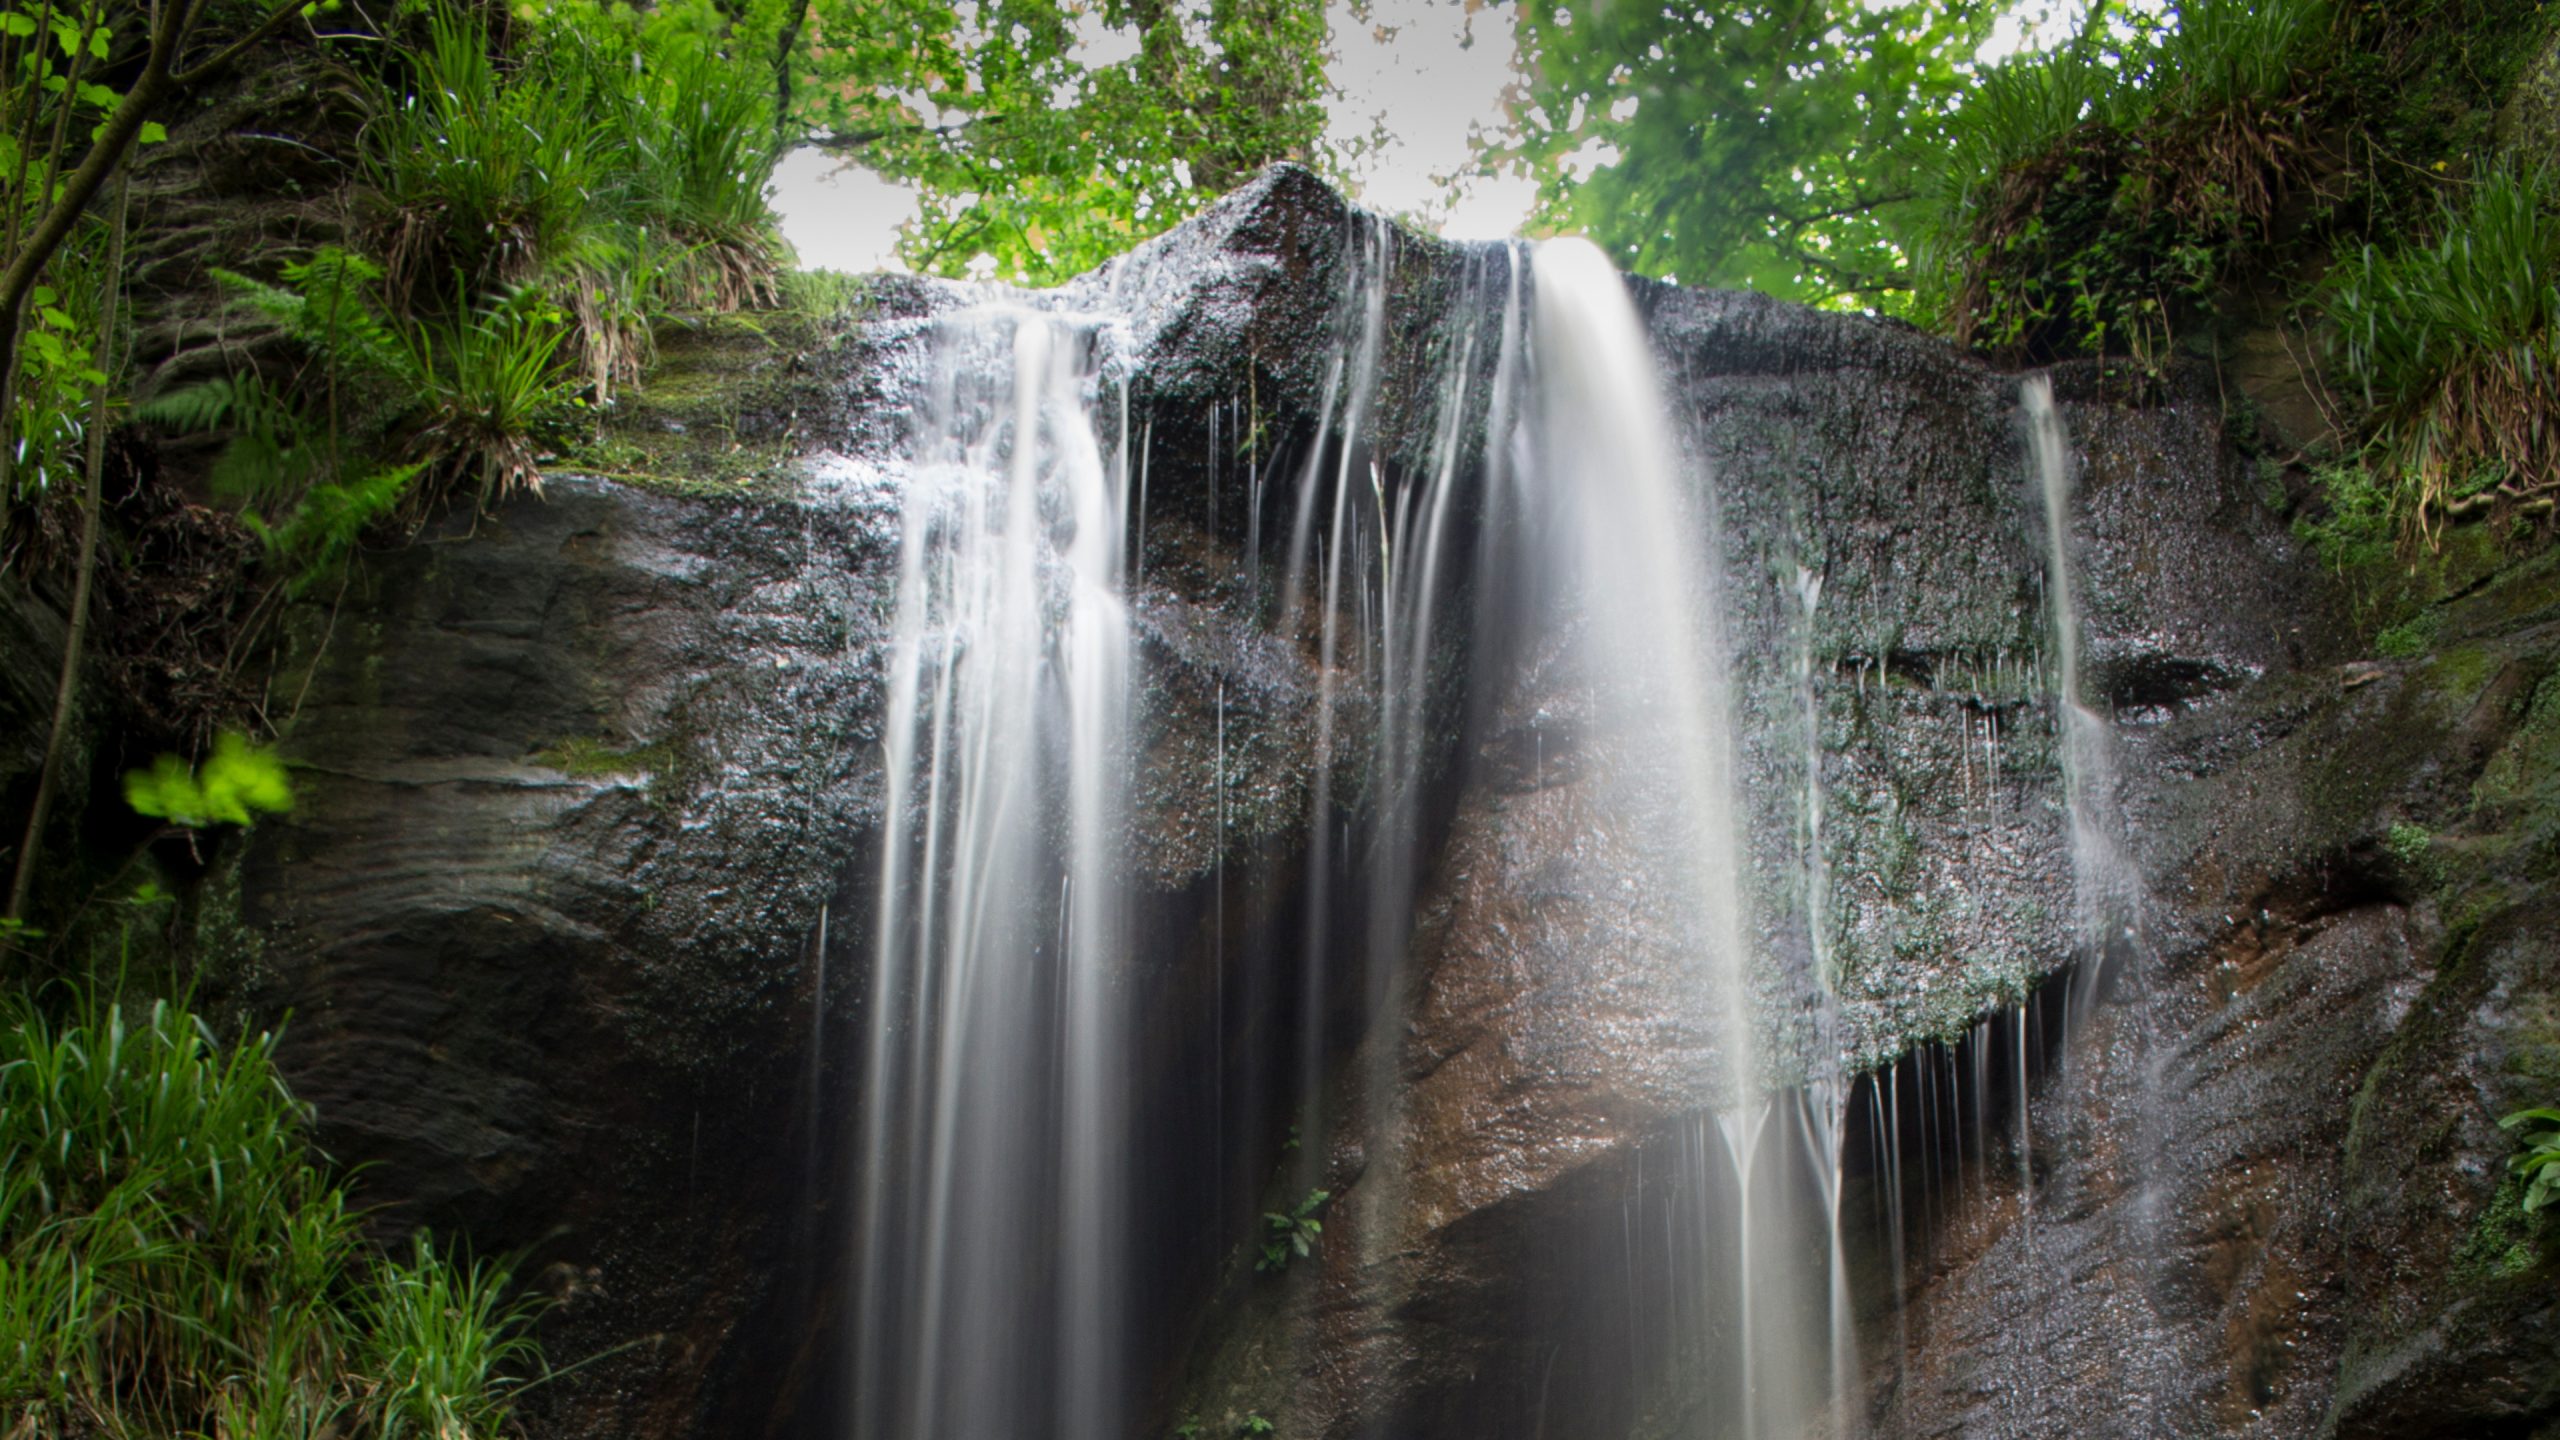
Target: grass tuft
{"points": [[178, 1263], [2453, 345]]}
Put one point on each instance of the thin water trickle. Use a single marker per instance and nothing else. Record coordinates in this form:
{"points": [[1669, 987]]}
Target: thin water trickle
{"points": [[2102, 879]]}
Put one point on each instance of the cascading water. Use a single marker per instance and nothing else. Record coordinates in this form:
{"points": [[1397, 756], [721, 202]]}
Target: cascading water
{"points": [[996, 1156], [1631, 537], [2103, 883], [992, 1258]]}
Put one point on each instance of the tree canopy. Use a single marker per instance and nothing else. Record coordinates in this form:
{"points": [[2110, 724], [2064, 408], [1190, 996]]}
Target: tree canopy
{"points": [[1049, 135], [1760, 145]]}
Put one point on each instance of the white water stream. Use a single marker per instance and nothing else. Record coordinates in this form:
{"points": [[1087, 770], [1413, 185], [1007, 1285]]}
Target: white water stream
{"points": [[994, 1250], [997, 1100]]}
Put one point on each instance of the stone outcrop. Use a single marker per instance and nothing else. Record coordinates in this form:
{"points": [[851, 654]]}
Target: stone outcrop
{"points": [[571, 913]]}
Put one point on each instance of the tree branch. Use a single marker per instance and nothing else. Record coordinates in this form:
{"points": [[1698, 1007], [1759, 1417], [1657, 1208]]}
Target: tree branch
{"points": [[222, 58], [160, 79]]}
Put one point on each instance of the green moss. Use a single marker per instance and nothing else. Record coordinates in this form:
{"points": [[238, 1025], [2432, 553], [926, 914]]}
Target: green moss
{"points": [[2462, 672], [589, 759], [2503, 1244], [2461, 978], [2525, 773], [2410, 637]]}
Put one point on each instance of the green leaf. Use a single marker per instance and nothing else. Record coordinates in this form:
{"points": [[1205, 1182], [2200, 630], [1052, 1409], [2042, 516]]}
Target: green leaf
{"points": [[237, 779], [153, 132], [16, 24]]}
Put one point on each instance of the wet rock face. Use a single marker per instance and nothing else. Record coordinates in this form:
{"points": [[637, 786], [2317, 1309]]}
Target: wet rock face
{"points": [[581, 786], [2270, 1197], [570, 790], [1556, 1036], [581, 783]]}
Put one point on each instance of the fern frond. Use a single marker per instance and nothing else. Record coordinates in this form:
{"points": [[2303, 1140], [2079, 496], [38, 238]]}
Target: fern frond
{"points": [[190, 409], [326, 525], [281, 305]]}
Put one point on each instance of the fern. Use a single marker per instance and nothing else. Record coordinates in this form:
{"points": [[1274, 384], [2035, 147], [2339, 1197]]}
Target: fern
{"points": [[323, 529], [270, 456], [325, 303], [205, 405]]}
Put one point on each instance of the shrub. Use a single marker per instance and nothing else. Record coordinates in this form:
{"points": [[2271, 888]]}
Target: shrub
{"points": [[2453, 345], [2080, 199], [178, 1263], [616, 161], [456, 396]]}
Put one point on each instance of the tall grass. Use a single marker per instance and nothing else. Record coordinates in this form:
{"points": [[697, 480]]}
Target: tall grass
{"points": [[178, 1263], [486, 175], [2087, 189], [2453, 344], [617, 161]]}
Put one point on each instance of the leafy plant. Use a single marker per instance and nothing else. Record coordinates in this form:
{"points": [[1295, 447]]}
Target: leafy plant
{"points": [[173, 1260], [1293, 1233], [613, 161], [458, 396], [66, 135], [2080, 201], [2539, 1131], [2453, 344], [1255, 1423], [239, 778]]}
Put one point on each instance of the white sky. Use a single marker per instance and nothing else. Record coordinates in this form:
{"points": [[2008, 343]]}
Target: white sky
{"points": [[1426, 74]]}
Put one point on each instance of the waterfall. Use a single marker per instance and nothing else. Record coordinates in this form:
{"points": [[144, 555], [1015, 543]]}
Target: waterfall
{"points": [[1632, 537], [998, 1156], [1636, 541], [2103, 882], [991, 1247]]}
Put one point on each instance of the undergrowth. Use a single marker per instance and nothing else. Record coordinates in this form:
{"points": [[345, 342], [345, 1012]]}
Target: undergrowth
{"points": [[2082, 199], [539, 199], [615, 160], [2452, 344], [180, 1264]]}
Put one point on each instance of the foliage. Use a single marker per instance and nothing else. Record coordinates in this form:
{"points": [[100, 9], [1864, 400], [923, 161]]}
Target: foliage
{"points": [[2084, 199], [1255, 1423], [1293, 1233], [1742, 146], [177, 1263], [2410, 637], [52, 57], [457, 395], [614, 160], [2539, 1131], [2453, 346], [238, 778], [1037, 157], [442, 1342]]}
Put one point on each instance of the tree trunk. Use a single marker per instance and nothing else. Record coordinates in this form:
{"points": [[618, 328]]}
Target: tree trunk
{"points": [[66, 688]]}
